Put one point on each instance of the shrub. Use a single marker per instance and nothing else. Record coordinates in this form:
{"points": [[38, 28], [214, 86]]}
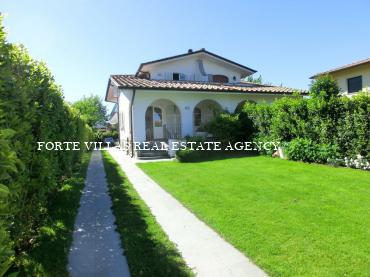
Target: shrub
{"points": [[264, 139], [226, 127], [187, 155], [305, 150], [256, 118], [325, 87], [359, 162]]}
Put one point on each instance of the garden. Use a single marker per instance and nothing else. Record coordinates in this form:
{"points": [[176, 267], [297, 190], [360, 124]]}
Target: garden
{"points": [[323, 127], [291, 218], [307, 215]]}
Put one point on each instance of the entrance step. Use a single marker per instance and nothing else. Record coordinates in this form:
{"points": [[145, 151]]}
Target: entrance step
{"points": [[155, 153], [152, 154]]}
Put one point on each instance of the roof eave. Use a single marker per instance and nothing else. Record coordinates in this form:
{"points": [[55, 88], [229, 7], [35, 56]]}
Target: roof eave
{"points": [[110, 81], [207, 90], [361, 63]]}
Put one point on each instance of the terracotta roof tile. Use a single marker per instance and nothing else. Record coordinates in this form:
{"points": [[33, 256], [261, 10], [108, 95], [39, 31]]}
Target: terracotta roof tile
{"points": [[130, 81]]}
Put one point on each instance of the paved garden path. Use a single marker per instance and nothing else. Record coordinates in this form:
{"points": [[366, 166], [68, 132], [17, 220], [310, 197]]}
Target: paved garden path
{"points": [[96, 248], [202, 248]]}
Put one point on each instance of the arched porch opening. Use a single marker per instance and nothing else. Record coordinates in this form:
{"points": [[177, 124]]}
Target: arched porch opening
{"points": [[162, 120], [204, 112]]}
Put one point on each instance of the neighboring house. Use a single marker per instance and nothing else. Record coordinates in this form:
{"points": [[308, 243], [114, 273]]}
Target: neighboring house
{"points": [[101, 126], [351, 78], [113, 117], [174, 97]]}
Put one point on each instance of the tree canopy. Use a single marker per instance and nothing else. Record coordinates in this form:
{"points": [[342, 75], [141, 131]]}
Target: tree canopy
{"points": [[325, 87], [91, 110]]}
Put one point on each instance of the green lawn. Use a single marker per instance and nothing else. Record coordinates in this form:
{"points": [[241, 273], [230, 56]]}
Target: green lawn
{"points": [[290, 218], [148, 250]]}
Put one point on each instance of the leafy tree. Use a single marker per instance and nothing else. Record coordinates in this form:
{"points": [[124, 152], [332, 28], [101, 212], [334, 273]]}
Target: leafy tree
{"points": [[256, 80], [91, 110], [325, 87]]}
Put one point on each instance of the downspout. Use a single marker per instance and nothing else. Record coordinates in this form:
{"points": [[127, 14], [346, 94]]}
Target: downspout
{"points": [[119, 123], [131, 123]]}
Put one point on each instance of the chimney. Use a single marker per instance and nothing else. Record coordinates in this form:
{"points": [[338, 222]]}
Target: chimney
{"points": [[190, 51]]}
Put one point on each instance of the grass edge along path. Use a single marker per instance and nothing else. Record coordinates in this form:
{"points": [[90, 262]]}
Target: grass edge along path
{"points": [[147, 248], [290, 218], [49, 257]]}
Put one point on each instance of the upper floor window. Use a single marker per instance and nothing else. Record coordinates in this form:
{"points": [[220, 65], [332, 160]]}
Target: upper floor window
{"points": [[354, 84], [220, 78], [176, 76]]}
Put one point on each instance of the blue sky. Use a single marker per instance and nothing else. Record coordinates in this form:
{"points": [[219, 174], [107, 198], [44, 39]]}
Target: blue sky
{"points": [[84, 41]]}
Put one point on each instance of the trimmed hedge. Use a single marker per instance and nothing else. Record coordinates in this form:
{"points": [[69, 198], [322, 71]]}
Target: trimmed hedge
{"points": [[324, 119], [32, 109], [337, 121]]}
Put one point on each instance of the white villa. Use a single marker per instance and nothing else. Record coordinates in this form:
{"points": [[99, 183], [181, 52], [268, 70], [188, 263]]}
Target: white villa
{"points": [[174, 97]]}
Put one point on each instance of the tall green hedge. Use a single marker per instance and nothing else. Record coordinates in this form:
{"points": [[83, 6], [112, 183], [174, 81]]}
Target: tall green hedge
{"points": [[325, 119], [32, 109], [339, 121]]}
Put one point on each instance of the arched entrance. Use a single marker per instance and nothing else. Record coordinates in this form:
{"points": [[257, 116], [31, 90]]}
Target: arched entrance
{"points": [[162, 121], [204, 112]]}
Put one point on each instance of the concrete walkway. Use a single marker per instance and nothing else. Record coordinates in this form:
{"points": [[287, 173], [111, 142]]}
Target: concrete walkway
{"points": [[96, 248], [202, 248]]}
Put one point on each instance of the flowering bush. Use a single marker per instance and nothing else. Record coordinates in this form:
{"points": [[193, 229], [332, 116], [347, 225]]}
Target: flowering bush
{"points": [[359, 163]]}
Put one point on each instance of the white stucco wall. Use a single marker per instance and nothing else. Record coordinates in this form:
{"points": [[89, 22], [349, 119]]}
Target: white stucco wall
{"points": [[186, 101], [189, 67], [124, 100]]}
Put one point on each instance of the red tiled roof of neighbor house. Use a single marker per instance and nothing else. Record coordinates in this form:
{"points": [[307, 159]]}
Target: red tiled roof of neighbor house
{"points": [[130, 81], [341, 68]]}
